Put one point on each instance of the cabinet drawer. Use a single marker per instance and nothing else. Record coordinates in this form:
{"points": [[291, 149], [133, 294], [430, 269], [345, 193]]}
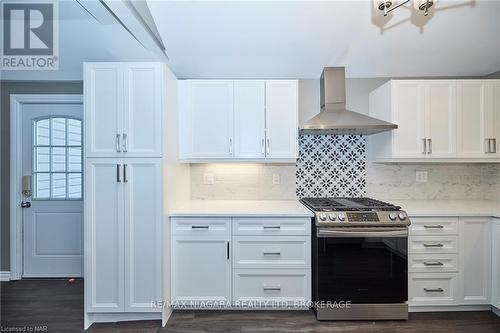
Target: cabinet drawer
{"points": [[432, 263], [433, 226], [207, 226], [433, 289], [433, 244], [272, 252], [276, 226], [272, 287]]}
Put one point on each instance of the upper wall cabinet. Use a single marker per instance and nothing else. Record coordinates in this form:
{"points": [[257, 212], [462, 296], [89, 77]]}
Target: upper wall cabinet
{"points": [[238, 120], [123, 109], [437, 119]]}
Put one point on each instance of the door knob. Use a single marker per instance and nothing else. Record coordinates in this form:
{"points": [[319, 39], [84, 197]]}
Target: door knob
{"points": [[26, 204]]}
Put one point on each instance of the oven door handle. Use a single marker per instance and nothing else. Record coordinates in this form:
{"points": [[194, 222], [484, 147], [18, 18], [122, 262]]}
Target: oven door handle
{"points": [[354, 233]]}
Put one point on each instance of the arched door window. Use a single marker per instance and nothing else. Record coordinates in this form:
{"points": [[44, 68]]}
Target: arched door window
{"points": [[57, 158]]}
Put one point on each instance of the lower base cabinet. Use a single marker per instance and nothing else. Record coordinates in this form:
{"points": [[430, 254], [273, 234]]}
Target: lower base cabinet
{"points": [[449, 261], [241, 262], [495, 276]]}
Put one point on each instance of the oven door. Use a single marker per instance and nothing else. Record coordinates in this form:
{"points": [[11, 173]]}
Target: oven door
{"points": [[361, 265]]}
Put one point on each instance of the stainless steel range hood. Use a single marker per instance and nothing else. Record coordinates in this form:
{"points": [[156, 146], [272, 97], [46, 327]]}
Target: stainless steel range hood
{"points": [[334, 118]]}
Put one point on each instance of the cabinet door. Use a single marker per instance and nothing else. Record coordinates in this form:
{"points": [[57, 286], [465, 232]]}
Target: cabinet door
{"points": [[409, 114], [104, 274], [249, 118], [495, 276], [281, 119], [492, 117], [143, 110], [201, 270], [142, 183], [471, 118], [475, 258], [440, 118], [103, 91], [208, 128]]}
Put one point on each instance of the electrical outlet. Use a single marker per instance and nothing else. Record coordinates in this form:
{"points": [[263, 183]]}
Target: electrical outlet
{"points": [[276, 179], [421, 176], [208, 178]]}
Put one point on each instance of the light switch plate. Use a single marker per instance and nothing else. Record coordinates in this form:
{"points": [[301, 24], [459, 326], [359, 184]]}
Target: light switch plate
{"points": [[276, 178], [208, 178], [421, 176]]}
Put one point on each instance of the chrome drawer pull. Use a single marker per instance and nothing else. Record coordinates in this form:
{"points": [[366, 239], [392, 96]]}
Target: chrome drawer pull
{"points": [[272, 227], [271, 253], [199, 227], [437, 226], [433, 290], [272, 289], [436, 263], [433, 245]]}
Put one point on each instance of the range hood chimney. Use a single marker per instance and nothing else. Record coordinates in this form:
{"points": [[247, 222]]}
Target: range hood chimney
{"points": [[334, 118]]}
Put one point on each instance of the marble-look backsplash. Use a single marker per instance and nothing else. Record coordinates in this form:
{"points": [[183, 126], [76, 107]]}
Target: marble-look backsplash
{"points": [[384, 181]]}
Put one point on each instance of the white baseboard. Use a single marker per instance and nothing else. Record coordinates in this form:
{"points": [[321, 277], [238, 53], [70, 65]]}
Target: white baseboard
{"points": [[449, 308], [115, 317], [4, 276], [495, 310]]}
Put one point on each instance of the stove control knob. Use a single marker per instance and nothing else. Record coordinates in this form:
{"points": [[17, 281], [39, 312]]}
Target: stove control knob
{"points": [[402, 216], [332, 216], [393, 216], [341, 217], [322, 216]]}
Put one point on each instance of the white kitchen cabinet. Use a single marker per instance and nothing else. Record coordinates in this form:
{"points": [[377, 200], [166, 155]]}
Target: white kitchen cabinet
{"points": [[206, 119], [104, 232], [238, 120], [123, 214], [201, 265], [143, 208], [475, 259], [103, 94], [123, 109], [249, 118], [281, 119], [495, 276], [437, 120]]}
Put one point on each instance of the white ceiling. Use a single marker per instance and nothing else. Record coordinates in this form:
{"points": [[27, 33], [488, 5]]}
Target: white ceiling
{"points": [[295, 39], [81, 39]]}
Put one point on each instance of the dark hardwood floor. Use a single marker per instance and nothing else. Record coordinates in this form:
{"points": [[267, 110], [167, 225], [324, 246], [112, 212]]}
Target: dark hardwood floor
{"points": [[58, 305]]}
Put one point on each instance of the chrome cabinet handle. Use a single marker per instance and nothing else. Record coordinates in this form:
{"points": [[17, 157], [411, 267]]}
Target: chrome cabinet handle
{"points": [[124, 142], [487, 145], [268, 146], [125, 180], [434, 290], [424, 146], [199, 227], [230, 146], [272, 227], [437, 226], [494, 149], [433, 245], [277, 288], [263, 147], [429, 151], [437, 263], [227, 248], [118, 179], [118, 146], [269, 253]]}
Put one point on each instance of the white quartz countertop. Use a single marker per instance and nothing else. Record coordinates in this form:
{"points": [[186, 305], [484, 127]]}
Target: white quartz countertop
{"points": [[240, 208], [449, 207]]}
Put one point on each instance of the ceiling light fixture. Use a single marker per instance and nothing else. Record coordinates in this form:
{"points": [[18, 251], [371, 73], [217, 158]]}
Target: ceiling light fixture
{"points": [[388, 6]]}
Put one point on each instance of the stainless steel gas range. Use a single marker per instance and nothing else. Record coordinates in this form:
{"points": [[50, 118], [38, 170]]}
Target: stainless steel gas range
{"points": [[360, 259]]}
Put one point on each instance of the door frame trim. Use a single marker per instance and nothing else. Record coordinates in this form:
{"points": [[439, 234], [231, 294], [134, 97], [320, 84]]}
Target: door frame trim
{"points": [[16, 106]]}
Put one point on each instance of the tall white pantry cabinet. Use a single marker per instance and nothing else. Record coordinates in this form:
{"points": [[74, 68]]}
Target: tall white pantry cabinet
{"points": [[123, 190]]}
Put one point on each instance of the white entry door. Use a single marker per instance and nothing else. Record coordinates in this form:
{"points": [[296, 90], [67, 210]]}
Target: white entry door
{"points": [[53, 211]]}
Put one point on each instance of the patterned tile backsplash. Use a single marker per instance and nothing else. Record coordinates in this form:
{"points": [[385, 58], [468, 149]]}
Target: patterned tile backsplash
{"points": [[331, 166]]}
